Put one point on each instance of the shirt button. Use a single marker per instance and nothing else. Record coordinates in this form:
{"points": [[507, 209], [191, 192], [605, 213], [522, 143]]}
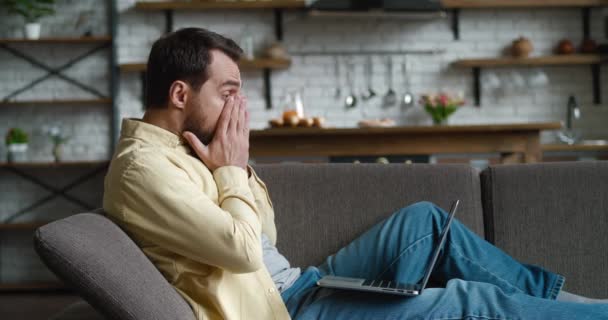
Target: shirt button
{"points": [[271, 290]]}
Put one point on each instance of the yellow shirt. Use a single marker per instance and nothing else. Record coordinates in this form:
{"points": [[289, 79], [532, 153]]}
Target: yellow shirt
{"points": [[201, 229]]}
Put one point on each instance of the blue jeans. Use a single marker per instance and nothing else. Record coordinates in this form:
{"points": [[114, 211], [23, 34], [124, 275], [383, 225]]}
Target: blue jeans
{"points": [[472, 279]]}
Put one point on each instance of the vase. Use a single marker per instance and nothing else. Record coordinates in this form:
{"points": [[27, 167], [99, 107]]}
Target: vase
{"points": [[57, 152], [32, 31], [440, 122], [17, 152], [440, 114]]}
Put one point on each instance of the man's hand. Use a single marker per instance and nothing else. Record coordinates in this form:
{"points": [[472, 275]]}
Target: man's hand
{"points": [[230, 144]]}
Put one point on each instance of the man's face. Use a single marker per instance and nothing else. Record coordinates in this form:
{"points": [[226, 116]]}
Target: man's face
{"points": [[205, 106]]}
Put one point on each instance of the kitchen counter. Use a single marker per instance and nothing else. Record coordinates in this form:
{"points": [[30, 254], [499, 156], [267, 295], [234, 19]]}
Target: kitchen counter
{"points": [[514, 142]]}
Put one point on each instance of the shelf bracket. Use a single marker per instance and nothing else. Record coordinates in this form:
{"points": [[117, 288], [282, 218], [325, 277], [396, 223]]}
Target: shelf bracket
{"points": [[58, 72], [278, 24], [586, 23], [267, 89], [55, 192], [168, 20], [477, 85], [596, 76], [456, 23]]}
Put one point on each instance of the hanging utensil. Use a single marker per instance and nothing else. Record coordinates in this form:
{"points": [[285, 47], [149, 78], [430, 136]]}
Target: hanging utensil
{"points": [[337, 69], [407, 100], [390, 98], [351, 99], [369, 93]]}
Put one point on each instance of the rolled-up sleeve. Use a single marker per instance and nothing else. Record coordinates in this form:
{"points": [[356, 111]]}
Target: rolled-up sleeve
{"points": [[164, 206]]}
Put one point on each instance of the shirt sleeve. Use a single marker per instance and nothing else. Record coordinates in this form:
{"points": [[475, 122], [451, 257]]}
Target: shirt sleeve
{"points": [[164, 206], [264, 205]]}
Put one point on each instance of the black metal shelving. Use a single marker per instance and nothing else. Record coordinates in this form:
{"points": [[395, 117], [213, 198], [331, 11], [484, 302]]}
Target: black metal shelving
{"points": [[21, 170]]}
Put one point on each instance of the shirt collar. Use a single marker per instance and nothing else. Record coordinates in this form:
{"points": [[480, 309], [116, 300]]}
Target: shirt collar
{"points": [[154, 135]]}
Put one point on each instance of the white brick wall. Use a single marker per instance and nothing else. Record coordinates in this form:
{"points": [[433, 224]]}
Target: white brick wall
{"points": [[484, 33]]}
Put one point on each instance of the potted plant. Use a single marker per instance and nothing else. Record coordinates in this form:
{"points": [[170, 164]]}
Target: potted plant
{"points": [[441, 107], [58, 139], [31, 11], [16, 143]]}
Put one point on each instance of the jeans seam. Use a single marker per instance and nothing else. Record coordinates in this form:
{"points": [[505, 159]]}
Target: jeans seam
{"points": [[402, 253], [556, 287], [457, 249]]}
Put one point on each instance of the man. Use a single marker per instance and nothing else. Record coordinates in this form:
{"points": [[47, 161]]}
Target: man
{"points": [[179, 184]]}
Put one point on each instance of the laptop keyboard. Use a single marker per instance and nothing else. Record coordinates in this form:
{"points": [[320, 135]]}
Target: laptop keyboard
{"points": [[384, 284]]}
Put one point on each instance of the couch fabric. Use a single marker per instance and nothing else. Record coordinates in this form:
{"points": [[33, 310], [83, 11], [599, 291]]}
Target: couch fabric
{"points": [[320, 208], [101, 263], [554, 215]]}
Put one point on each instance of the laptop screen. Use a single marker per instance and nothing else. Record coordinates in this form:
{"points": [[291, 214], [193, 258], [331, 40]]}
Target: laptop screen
{"points": [[442, 238]]}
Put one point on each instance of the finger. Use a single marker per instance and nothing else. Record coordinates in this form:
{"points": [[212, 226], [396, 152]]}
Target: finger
{"points": [[234, 115], [246, 128], [222, 126], [241, 123], [201, 150]]}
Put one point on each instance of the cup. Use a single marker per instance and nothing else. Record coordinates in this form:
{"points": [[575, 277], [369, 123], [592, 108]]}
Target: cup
{"points": [[537, 79], [491, 81]]}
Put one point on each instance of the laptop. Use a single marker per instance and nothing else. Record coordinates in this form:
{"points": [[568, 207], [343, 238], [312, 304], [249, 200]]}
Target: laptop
{"points": [[389, 287]]}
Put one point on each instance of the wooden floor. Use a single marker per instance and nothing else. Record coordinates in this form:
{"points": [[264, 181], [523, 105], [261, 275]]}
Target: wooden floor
{"points": [[33, 306]]}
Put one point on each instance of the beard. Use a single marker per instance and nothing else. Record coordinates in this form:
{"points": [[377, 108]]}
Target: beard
{"points": [[194, 123]]}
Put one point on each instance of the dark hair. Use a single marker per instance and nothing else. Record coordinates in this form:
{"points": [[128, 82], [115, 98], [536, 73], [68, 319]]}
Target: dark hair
{"points": [[183, 55]]}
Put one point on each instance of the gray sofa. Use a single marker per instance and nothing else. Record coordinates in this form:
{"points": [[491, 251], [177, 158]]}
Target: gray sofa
{"points": [[550, 214]]}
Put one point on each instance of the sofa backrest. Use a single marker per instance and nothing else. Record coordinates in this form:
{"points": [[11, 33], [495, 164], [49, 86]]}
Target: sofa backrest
{"points": [[554, 215], [319, 208], [98, 260]]}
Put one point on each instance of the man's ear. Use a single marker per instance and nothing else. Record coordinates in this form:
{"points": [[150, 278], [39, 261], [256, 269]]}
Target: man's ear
{"points": [[178, 94]]}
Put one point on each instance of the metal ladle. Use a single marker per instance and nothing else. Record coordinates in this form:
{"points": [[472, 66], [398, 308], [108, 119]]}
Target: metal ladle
{"points": [[368, 75], [390, 98], [338, 93], [408, 98], [351, 100]]}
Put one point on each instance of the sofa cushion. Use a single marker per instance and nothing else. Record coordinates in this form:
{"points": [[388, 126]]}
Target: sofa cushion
{"points": [[553, 215], [79, 310], [319, 208], [101, 263]]}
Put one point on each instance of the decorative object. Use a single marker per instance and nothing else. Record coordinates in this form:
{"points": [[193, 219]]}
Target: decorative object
{"points": [[247, 45], [521, 47], [440, 107], [291, 119], [58, 139], [588, 46], [277, 51], [31, 11], [565, 46], [372, 123], [16, 143], [85, 24]]}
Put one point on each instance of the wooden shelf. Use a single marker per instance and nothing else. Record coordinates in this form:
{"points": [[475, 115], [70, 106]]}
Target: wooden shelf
{"points": [[209, 5], [132, 67], [33, 286], [557, 147], [593, 60], [370, 131], [54, 102], [22, 226], [265, 63], [53, 164], [66, 40], [254, 64], [573, 59], [479, 4]]}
